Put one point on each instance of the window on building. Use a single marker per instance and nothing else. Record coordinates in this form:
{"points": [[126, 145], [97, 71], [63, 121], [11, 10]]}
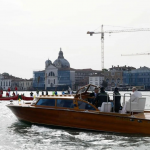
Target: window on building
{"points": [[9, 83], [65, 103], [113, 80], [1, 83], [112, 73], [118, 80], [46, 102], [96, 83], [51, 84], [6, 83], [96, 79], [83, 105], [54, 81], [51, 74], [48, 81]]}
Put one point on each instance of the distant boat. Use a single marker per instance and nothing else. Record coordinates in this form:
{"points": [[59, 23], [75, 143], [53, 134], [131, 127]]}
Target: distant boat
{"points": [[15, 98], [74, 111]]}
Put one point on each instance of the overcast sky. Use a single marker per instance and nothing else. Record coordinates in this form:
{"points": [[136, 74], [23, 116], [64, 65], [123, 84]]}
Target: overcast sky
{"points": [[31, 31]]}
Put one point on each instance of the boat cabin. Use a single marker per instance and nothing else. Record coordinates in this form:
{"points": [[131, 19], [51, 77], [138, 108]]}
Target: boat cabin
{"points": [[79, 101]]}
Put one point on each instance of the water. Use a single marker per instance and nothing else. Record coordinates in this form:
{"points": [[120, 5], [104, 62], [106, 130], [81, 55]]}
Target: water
{"points": [[16, 135]]}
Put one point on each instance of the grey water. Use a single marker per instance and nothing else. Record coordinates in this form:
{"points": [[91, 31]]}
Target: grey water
{"points": [[16, 135]]}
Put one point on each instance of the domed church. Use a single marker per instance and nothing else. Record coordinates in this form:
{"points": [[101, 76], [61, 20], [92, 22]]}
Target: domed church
{"points": [[57, 75], [61, 62]]}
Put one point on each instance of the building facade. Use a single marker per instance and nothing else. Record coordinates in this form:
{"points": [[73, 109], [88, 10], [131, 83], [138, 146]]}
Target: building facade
{"points": [[96, 80], [114, 78], [82, 76], [138, 77], [56, 76]]}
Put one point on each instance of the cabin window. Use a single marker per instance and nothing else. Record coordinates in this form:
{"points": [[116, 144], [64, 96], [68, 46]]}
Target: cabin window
{"points": [[46, 102], [65, 103], [83, 105]]}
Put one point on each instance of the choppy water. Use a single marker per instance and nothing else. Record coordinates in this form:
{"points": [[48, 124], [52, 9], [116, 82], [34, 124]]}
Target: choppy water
{"points": [[15, 135]]}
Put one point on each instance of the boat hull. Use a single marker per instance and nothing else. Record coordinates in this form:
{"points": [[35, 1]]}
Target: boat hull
{"points": [[81, 120], [15, 98]]}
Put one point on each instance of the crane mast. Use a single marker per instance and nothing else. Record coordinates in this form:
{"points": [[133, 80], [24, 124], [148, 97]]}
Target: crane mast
{"points": [[113, 31], [102, 47]]}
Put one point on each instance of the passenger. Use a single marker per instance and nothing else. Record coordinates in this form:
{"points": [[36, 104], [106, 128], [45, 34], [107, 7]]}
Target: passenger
{"points": [[63, 93], [13, 93], [69, 90], [116, 99], [37, 92], [55, 92], [93, 94], [42, 92], [7, 94], [101, 97], [31, 94], [136, 94], [46, 92]]}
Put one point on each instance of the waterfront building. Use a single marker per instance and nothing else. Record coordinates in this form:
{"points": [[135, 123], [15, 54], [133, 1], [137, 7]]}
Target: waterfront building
{"points": [[56, 76], [96, 79], [82, 76], [137, 77], [114, 78], [122, 68], [39, 80], [25, 84]]}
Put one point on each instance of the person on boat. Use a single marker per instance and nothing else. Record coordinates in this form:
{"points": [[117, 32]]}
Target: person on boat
{"points": [[31, 94], [46, 92], [7, 94], [13, 93], [69, 90], [55, 92], [1, 91], [116, 99], [136, 94], [63, 93], [42, 92], [37, 92], [101, 97], [93, 94], [16, 89], [9, 91]]}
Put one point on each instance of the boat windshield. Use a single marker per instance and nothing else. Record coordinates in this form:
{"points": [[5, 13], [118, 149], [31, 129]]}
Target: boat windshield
{"points": [[34, 101], [86, 88], [82, 90]]}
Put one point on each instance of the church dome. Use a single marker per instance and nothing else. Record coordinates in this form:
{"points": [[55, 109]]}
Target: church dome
{"points": [[61, 62], [47, 63]]}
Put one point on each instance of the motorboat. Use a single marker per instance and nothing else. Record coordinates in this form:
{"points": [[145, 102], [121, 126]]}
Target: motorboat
{"points": [[74, 111]]}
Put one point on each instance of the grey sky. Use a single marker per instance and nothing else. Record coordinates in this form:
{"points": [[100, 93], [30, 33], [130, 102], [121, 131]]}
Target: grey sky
{"points": [[31, 31]]}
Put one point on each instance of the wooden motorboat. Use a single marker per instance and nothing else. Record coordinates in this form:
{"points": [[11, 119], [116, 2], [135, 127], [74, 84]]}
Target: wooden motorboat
{"points": [[75, 112], [16, 98]]}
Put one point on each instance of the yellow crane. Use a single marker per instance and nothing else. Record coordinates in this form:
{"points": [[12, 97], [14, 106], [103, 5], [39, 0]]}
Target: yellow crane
{"points": [[112, 31]]}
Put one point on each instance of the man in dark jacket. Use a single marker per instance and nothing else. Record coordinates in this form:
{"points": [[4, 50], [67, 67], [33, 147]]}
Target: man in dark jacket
{"points": [[101, 97], [94, 95], [116, 99]]}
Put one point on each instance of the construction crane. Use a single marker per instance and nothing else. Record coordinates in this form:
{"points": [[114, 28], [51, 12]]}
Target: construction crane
{"points": [[112, 31], [135, 54]]}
